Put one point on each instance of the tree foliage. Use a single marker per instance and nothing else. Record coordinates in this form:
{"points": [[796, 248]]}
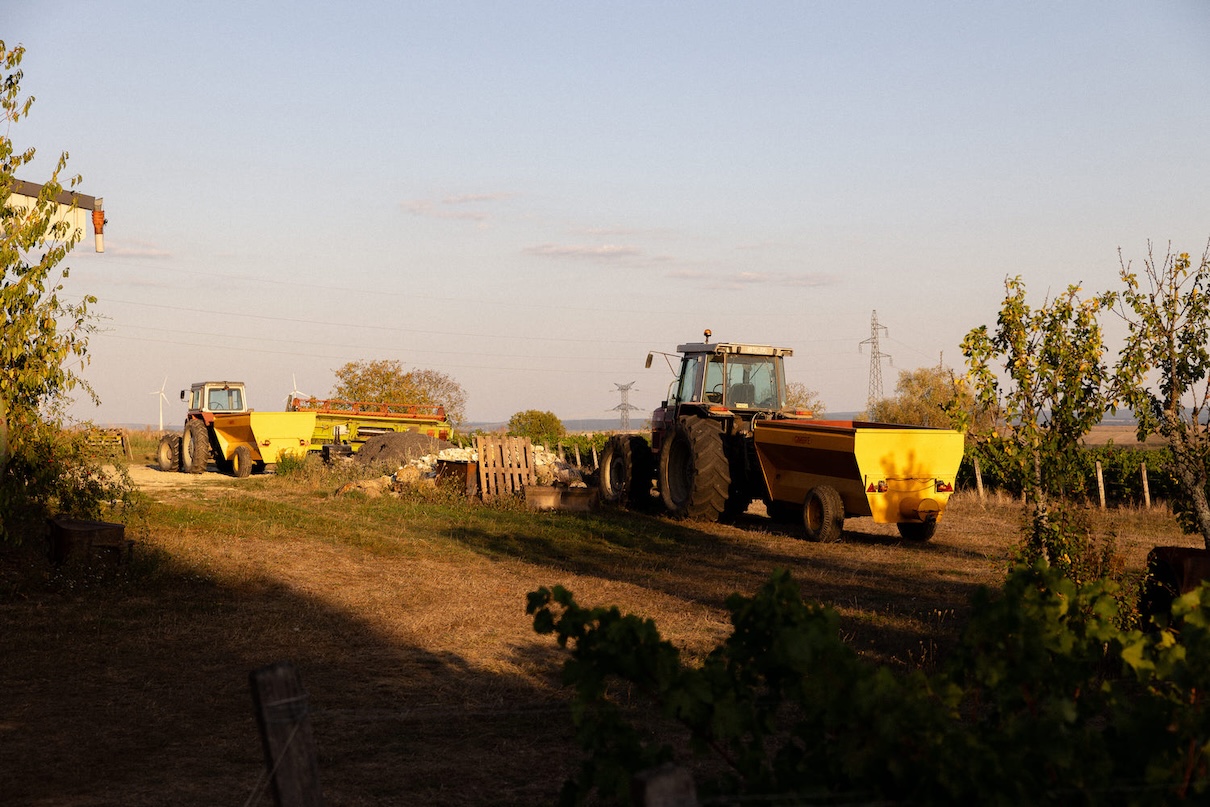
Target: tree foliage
{"points": [[44, 338], [1055, 389], [1163, 371], [385, 381], [43, 342], [1050, 698], [541, 427], [928, 396], [800, 396]]}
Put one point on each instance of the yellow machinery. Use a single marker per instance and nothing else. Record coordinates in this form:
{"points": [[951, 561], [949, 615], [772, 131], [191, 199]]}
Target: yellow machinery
{"points": [[897, 474]]}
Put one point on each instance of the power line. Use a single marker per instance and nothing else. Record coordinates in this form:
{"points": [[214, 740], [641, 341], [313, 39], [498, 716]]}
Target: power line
{"points": [[625, 407]]}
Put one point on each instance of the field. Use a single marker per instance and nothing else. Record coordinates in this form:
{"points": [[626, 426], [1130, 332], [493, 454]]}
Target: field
{"points": [[406, 617]]}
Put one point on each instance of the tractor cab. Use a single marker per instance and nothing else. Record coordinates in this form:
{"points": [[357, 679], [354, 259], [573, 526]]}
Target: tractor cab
{"points": [[215, 397]]}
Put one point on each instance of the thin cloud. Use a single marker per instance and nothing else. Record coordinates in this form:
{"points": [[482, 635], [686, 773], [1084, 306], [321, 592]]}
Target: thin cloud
{"points": [[456, 208], [743, 279], [135, 249], [593, 252]]}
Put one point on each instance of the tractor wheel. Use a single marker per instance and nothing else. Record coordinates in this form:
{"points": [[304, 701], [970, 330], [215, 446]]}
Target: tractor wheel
{"points": [[195, 447], [695, 477], [917, 530], [627, 469], [241, 461], [168, 453], [823, 514]]}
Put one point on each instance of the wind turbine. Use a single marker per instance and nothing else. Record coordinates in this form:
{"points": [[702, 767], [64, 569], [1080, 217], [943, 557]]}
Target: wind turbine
{"points": [[163, 397], [295, 392]]}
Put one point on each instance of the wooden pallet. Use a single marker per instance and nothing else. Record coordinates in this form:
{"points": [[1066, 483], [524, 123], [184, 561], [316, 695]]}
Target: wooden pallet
{"points": [[506, 465], [109, 441]]}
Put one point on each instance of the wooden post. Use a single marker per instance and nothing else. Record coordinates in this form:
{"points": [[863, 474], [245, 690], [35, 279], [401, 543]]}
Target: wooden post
{"points": [[665, 786], [1101, 484], [577, 448], [285, 730], [1146, 490], [978, 478], [595, 462]]}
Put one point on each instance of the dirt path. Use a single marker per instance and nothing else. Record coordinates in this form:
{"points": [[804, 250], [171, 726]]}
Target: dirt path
{"points": [[149, 477]]}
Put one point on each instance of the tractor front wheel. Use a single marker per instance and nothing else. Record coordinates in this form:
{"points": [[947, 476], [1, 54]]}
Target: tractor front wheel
{"points": [[168, 453], [195, 447], [695, 477], [627, 470]]}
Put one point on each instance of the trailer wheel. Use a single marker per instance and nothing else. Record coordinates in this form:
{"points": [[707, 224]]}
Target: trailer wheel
{"points": [[241, 461], [823, 514], [917, 530], [626, 472], [695, 477], [195, 447], [168, 453]]}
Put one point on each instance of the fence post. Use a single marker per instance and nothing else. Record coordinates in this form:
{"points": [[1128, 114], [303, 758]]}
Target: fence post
{"points": [[595, 463], [1146, 490], [665, 786], [978, 478], [285, 730], [1101, 484], [577, 448]]}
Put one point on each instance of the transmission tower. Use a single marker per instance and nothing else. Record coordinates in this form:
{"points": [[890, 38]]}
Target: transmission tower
{"points": [[876, 357], [625, 407]]}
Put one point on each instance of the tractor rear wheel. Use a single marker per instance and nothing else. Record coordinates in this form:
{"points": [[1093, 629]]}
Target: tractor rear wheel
{"points": [[695, 476], [195, 447], [627, 470], [241, 461], [823, 514], [168, 453], [917, 530]]}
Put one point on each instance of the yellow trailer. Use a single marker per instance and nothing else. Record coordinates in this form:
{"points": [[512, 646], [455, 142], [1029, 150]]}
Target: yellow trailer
{"points": [[247, 438], [897, 474]]}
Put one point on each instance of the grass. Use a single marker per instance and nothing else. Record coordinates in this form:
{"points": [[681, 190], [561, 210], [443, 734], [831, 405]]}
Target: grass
{"points": [[406, 618]]}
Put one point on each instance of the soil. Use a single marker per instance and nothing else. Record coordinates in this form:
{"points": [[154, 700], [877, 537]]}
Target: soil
{"points": [[399, 448]]}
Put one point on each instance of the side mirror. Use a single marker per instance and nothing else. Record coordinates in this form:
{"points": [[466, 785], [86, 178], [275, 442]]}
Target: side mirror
{"points": [[182, 395], [648, 364]]}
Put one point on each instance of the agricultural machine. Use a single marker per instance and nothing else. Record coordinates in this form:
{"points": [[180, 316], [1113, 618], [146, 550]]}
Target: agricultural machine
{"points": [[725, 437], [220, 426]]}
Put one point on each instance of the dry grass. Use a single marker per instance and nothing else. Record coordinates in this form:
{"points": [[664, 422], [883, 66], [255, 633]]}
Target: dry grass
{"points": [[406, 618]]}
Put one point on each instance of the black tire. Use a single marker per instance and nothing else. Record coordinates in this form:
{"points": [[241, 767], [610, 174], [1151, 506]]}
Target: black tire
{"points": [[823, 515], [168, 453], [695, 477], [917, 530], [195, 447], [627, 471], [241, 462]]}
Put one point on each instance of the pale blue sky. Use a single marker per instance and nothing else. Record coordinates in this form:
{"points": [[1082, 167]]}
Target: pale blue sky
{"points": [[530, 196]]}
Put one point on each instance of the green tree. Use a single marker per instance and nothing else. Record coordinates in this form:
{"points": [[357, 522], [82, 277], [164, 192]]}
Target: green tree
{"points": [[385, 381], [800, 396], [1162, 371], [1055, 390], [541, 427], [927, 396], [43, 338]]}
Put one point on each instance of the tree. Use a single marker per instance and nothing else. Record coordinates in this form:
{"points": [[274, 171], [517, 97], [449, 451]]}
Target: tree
{"points": [[43, 338], [800, 396], [385, 381], [542, 427], [927, 396], [1056, 390], [1162, 371]]}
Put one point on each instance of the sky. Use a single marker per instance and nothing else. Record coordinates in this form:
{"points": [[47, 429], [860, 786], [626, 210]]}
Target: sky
{"points": [[531, 196]]}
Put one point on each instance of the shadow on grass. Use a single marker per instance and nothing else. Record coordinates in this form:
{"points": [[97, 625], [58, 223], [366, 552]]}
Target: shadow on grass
{"points": [[133, 691]]}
